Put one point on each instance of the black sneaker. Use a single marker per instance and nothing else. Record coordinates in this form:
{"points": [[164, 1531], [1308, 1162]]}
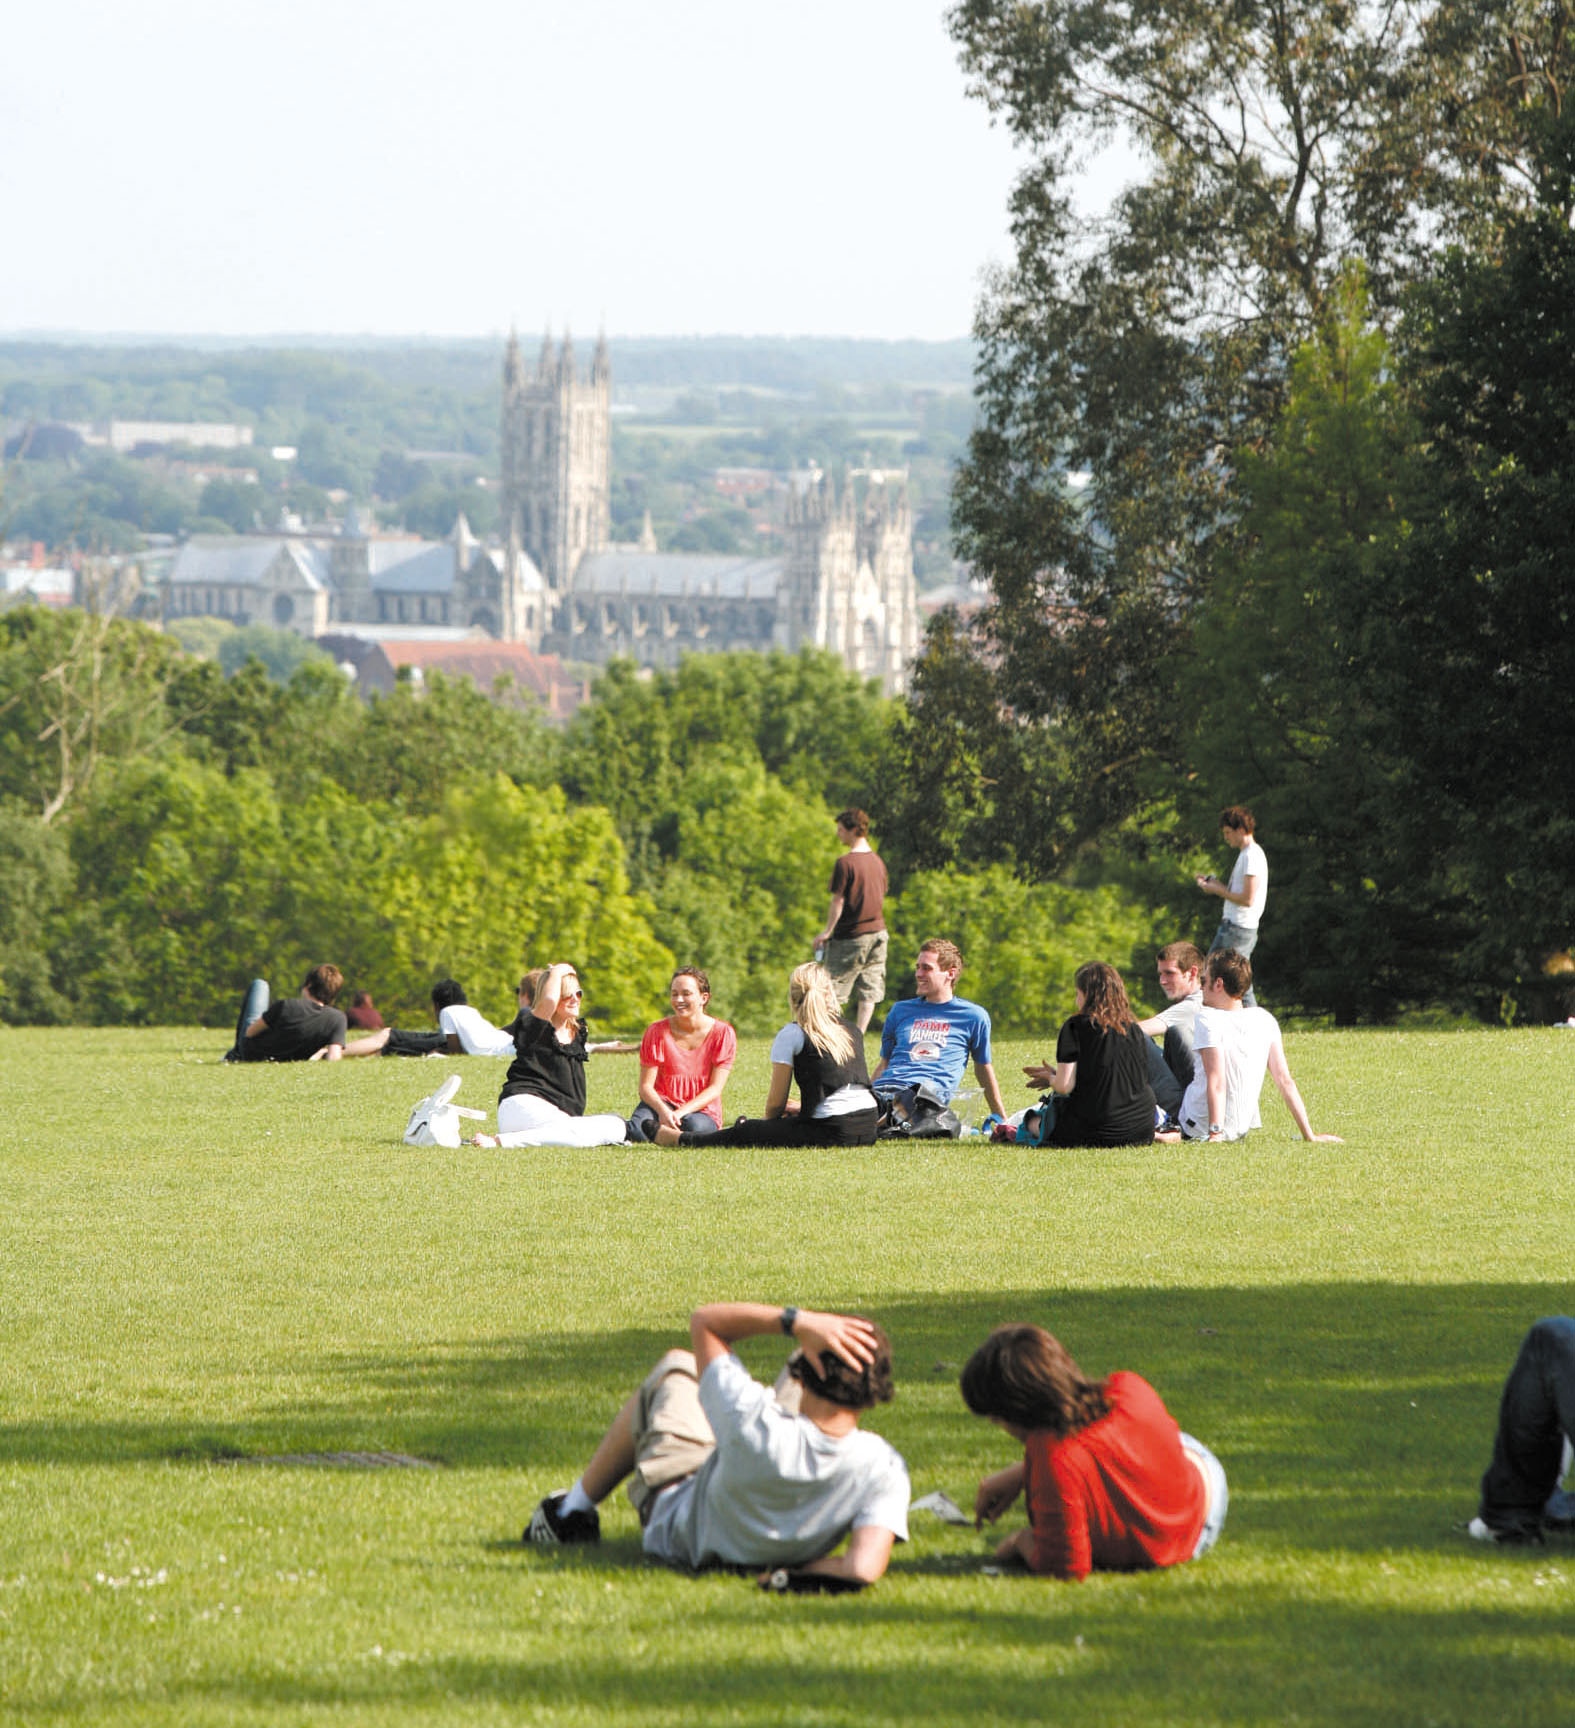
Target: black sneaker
{"points": [[549, 1527]]}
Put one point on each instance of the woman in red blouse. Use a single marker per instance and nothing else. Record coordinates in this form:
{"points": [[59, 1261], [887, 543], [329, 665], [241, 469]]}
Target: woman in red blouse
{"points": [[1111, 1481], [685, 1061]]}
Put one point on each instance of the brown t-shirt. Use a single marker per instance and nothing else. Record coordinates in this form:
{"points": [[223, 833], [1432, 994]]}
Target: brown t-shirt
{"points": [[860, 878]]}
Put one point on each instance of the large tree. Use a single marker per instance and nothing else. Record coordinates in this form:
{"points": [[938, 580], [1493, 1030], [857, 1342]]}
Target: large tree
{"points": [[1140, 348], [1475, 657]]}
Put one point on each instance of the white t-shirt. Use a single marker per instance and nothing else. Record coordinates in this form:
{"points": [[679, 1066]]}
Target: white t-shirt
{"points": [[777, 1491], [1183, 1013], [1244, 1037], [476, 1034], [1250, 861]]}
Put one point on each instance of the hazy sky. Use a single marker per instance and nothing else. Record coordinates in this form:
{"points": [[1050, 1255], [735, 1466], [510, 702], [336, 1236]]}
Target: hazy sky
{"points": [[453, 166]]}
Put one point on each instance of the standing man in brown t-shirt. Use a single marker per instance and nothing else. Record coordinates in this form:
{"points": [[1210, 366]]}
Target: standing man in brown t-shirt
{"points": [[854, 940]]}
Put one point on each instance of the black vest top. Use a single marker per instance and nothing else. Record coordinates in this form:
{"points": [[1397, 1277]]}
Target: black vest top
{"points": [[819, 1076]]}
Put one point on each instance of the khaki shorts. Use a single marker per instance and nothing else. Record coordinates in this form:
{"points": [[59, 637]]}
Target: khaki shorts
{"points": [[857, 965], [672, 1438]]}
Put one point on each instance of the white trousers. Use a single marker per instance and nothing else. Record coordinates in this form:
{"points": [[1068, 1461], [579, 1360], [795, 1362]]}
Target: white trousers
{"points": [[525, 1120]]}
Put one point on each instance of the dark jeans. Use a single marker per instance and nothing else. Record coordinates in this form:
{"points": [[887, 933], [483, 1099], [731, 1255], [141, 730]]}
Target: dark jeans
{"points": [[1240, 941], [1534, 1415], [254, 1004], [415, 1043], [697, 1124], [1168, 1090], [856, 1128], [1180, 1057]]}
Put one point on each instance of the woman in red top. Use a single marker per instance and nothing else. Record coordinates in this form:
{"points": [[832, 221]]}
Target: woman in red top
{"points": [[685, 1061], [1111, 1481]]}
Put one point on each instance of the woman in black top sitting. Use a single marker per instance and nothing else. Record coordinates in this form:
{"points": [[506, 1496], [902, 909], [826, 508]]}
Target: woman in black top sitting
{"points": [[1100, 1078], [824, 1052], [543, 1098]]}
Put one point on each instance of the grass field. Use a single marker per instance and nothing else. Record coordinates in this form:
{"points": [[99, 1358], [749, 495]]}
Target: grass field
{"points": [[203, 1265]]}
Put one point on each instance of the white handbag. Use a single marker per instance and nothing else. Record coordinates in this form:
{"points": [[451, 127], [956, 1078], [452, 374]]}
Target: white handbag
{"points": [[435, 1120]]}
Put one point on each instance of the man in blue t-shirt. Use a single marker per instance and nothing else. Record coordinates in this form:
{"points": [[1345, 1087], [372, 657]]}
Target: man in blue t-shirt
{"points": [[927, 1041]]}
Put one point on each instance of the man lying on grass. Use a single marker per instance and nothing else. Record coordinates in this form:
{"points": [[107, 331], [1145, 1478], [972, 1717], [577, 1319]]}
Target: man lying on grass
{"points": [[722, 1474]]}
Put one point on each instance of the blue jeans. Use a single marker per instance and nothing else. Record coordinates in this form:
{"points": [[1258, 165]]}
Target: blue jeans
{"points": [[253, 1006], [1240, 941], [1537, 1411], [642, 1124]]}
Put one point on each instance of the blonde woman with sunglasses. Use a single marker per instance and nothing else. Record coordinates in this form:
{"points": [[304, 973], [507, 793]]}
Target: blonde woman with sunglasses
{"points": [[543, 1097]]}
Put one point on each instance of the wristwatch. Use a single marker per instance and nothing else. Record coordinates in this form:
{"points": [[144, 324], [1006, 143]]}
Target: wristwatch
{"points": [[787, 1320], [1216, 1127]]}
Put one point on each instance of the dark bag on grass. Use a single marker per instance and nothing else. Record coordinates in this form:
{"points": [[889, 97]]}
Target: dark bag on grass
{"points": [[916, 1113]]}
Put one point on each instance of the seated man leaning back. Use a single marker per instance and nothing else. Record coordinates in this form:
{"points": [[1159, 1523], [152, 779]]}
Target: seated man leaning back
{"points": [[723, 1474], [927, 1040]]}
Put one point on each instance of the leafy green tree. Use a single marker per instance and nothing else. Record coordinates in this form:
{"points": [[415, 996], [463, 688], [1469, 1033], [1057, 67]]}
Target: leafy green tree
{"points": [[36, 883], [233, 502], [745, 888], [77, 689], [505, 877], [409, 747], [1023, 942], [186, 865], [281, 652], [1285, 678], [1474, 654], [1144, 349]]}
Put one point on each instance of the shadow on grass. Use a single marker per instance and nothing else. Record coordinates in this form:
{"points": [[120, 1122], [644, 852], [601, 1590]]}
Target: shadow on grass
{"points": [[1335, 1407]]}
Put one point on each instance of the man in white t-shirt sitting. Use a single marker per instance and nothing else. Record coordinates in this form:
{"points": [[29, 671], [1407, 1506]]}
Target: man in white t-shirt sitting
{"points": [[723, 1474], [1180, 978], [1235, 1045]]}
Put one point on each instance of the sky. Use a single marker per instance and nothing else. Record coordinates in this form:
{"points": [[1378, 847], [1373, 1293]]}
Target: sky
{"points": [[455, 167]]}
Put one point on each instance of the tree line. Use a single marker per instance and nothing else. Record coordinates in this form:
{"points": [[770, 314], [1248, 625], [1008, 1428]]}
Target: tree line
{"points": [[169, 832]]}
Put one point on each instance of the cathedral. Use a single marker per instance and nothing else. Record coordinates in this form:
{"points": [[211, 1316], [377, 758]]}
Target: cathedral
{"points": [[842, 580]]}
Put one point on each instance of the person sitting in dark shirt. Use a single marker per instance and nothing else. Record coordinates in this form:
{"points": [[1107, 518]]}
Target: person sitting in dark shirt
{"points": [[304, 1028]]}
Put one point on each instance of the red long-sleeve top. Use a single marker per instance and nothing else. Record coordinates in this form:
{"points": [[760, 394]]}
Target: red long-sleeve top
{"points": [[1120, 1494]]}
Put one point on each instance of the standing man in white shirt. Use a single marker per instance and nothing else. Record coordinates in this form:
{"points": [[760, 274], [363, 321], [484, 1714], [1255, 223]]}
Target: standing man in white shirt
{"points": [[1247, 892], [1235, 1046]]}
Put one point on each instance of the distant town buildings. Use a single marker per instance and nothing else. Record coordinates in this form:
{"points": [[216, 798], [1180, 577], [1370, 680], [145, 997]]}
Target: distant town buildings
{"points": [[124, 435], [557, 585]]}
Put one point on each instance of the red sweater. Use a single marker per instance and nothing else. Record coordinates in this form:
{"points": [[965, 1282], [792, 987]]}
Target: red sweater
{"points": [[1120, 1494]]}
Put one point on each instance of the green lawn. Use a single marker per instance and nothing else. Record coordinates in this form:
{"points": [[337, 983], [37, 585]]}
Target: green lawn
{"points": [[202, 1264]]}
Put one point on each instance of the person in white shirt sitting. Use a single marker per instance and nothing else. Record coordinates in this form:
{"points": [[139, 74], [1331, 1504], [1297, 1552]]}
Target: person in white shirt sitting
{"points": [[1235, 1046]]}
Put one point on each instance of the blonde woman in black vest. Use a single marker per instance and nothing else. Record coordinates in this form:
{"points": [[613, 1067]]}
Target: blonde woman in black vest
{"points": [[820, 1049]]}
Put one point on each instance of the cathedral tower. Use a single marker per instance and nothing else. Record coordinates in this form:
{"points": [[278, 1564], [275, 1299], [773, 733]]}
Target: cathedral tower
{"points": [[556, 457]]}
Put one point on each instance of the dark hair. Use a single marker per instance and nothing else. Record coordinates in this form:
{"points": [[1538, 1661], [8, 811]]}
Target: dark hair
{"points": [[702, 983], [361, 999], [447, 994], [1104, 996], [948, 954], [1237, 816], [323, 984], [854, 821], [852, 1388], [1233, 970], [1023, 1375], [1186, 955]]}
